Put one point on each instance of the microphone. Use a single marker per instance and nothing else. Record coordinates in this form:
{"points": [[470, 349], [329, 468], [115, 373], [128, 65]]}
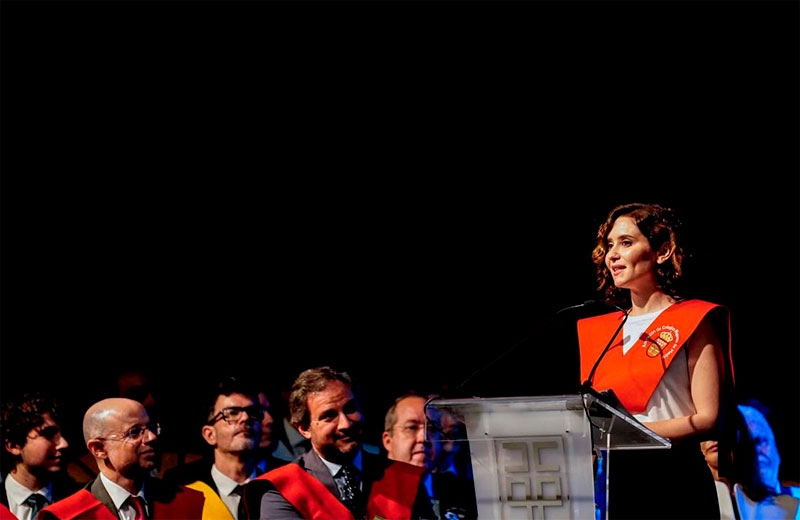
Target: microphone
{"points": [[586, 387], [485, 367]]}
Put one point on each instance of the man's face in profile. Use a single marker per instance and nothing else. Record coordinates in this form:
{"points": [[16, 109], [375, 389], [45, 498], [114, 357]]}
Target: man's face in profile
{"points": [[767, 458]]}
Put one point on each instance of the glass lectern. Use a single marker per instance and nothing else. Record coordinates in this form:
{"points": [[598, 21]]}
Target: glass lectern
{"points": [[532, 457]]}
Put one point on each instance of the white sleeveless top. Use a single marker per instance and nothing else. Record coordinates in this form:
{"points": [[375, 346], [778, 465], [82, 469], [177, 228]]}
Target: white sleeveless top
{"points": [[672, 397]]}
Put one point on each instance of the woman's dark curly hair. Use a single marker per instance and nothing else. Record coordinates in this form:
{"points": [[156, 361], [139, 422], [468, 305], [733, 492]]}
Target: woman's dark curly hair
{"points": [[659, 225]]}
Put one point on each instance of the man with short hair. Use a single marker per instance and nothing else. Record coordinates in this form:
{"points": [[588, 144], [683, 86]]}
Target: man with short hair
{"points": [[233, 430], [404, 431], [337, 478], [34, 447], [450, 490], [124, 443]]}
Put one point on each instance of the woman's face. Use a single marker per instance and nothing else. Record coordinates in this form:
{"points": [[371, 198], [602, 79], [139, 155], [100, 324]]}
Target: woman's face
{"points": [[629, 257]]}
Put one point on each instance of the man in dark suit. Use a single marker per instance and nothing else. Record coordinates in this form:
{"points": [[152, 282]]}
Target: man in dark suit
{"points": [[233, 419], [450, 487], [124, 443], [34, 450], [337, 476]]}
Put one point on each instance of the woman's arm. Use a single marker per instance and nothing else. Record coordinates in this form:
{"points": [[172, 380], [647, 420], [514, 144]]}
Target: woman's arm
{"points": [[705, 376]]}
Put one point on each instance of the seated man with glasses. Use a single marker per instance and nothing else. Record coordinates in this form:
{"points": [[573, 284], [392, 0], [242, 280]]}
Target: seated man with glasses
{"points": [[34, 454], [124, 443], [232, 430], [405, 438]]}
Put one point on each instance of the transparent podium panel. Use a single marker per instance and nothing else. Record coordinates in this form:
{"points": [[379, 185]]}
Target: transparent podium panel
{"points": [[614, 428], [531, 457]]}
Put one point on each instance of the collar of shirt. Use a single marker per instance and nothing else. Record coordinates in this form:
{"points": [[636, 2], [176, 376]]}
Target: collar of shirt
{"points": [[17, 493], [334, 468], [225, 484], [117, 493]]}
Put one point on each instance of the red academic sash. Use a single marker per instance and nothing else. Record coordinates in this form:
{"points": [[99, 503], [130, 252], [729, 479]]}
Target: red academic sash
{"points": [[81, 504], [6, 514], [391, 498], [635, 376], [187, 504], [307, 494]]}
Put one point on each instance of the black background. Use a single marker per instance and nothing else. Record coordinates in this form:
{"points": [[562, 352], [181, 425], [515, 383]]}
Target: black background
{"points": [[404, 190]]}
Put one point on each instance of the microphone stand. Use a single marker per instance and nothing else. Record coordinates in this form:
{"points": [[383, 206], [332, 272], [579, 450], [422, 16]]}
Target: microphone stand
{"points": [[513, 347], [607, 396], [586, 387]]}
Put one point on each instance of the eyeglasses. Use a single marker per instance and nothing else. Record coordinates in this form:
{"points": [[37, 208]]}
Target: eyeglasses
{"points": [[135, 434], [410, 430], [233, 413]]}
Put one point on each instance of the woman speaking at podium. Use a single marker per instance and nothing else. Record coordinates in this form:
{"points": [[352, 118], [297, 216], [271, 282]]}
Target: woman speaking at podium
{"points": [[666, 358]]}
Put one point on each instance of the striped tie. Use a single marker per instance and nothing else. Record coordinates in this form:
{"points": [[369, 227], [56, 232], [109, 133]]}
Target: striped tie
{"points": [[36, 502]]}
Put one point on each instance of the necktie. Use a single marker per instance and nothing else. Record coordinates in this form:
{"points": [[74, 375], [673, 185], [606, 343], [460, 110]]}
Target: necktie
{"points": [[138, 505], [242, 512], [348, 488], [36, 501]]}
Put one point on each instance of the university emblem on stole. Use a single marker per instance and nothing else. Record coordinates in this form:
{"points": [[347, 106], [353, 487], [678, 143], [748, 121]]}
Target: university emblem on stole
{"points": [[661, 341]]}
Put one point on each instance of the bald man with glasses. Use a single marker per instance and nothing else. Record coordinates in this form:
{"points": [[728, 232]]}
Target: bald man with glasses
{"points": [[124, 443]]}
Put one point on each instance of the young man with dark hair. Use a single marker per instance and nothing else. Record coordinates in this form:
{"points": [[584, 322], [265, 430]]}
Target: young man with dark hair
{"points": [[34, 455]]}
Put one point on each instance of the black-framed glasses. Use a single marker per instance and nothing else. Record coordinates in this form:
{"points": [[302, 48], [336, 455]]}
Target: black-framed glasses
{"points": [[135, 434], [232, 414]]}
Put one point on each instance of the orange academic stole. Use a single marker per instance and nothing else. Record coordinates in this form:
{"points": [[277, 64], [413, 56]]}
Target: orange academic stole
{"points": [[635, 376]]}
